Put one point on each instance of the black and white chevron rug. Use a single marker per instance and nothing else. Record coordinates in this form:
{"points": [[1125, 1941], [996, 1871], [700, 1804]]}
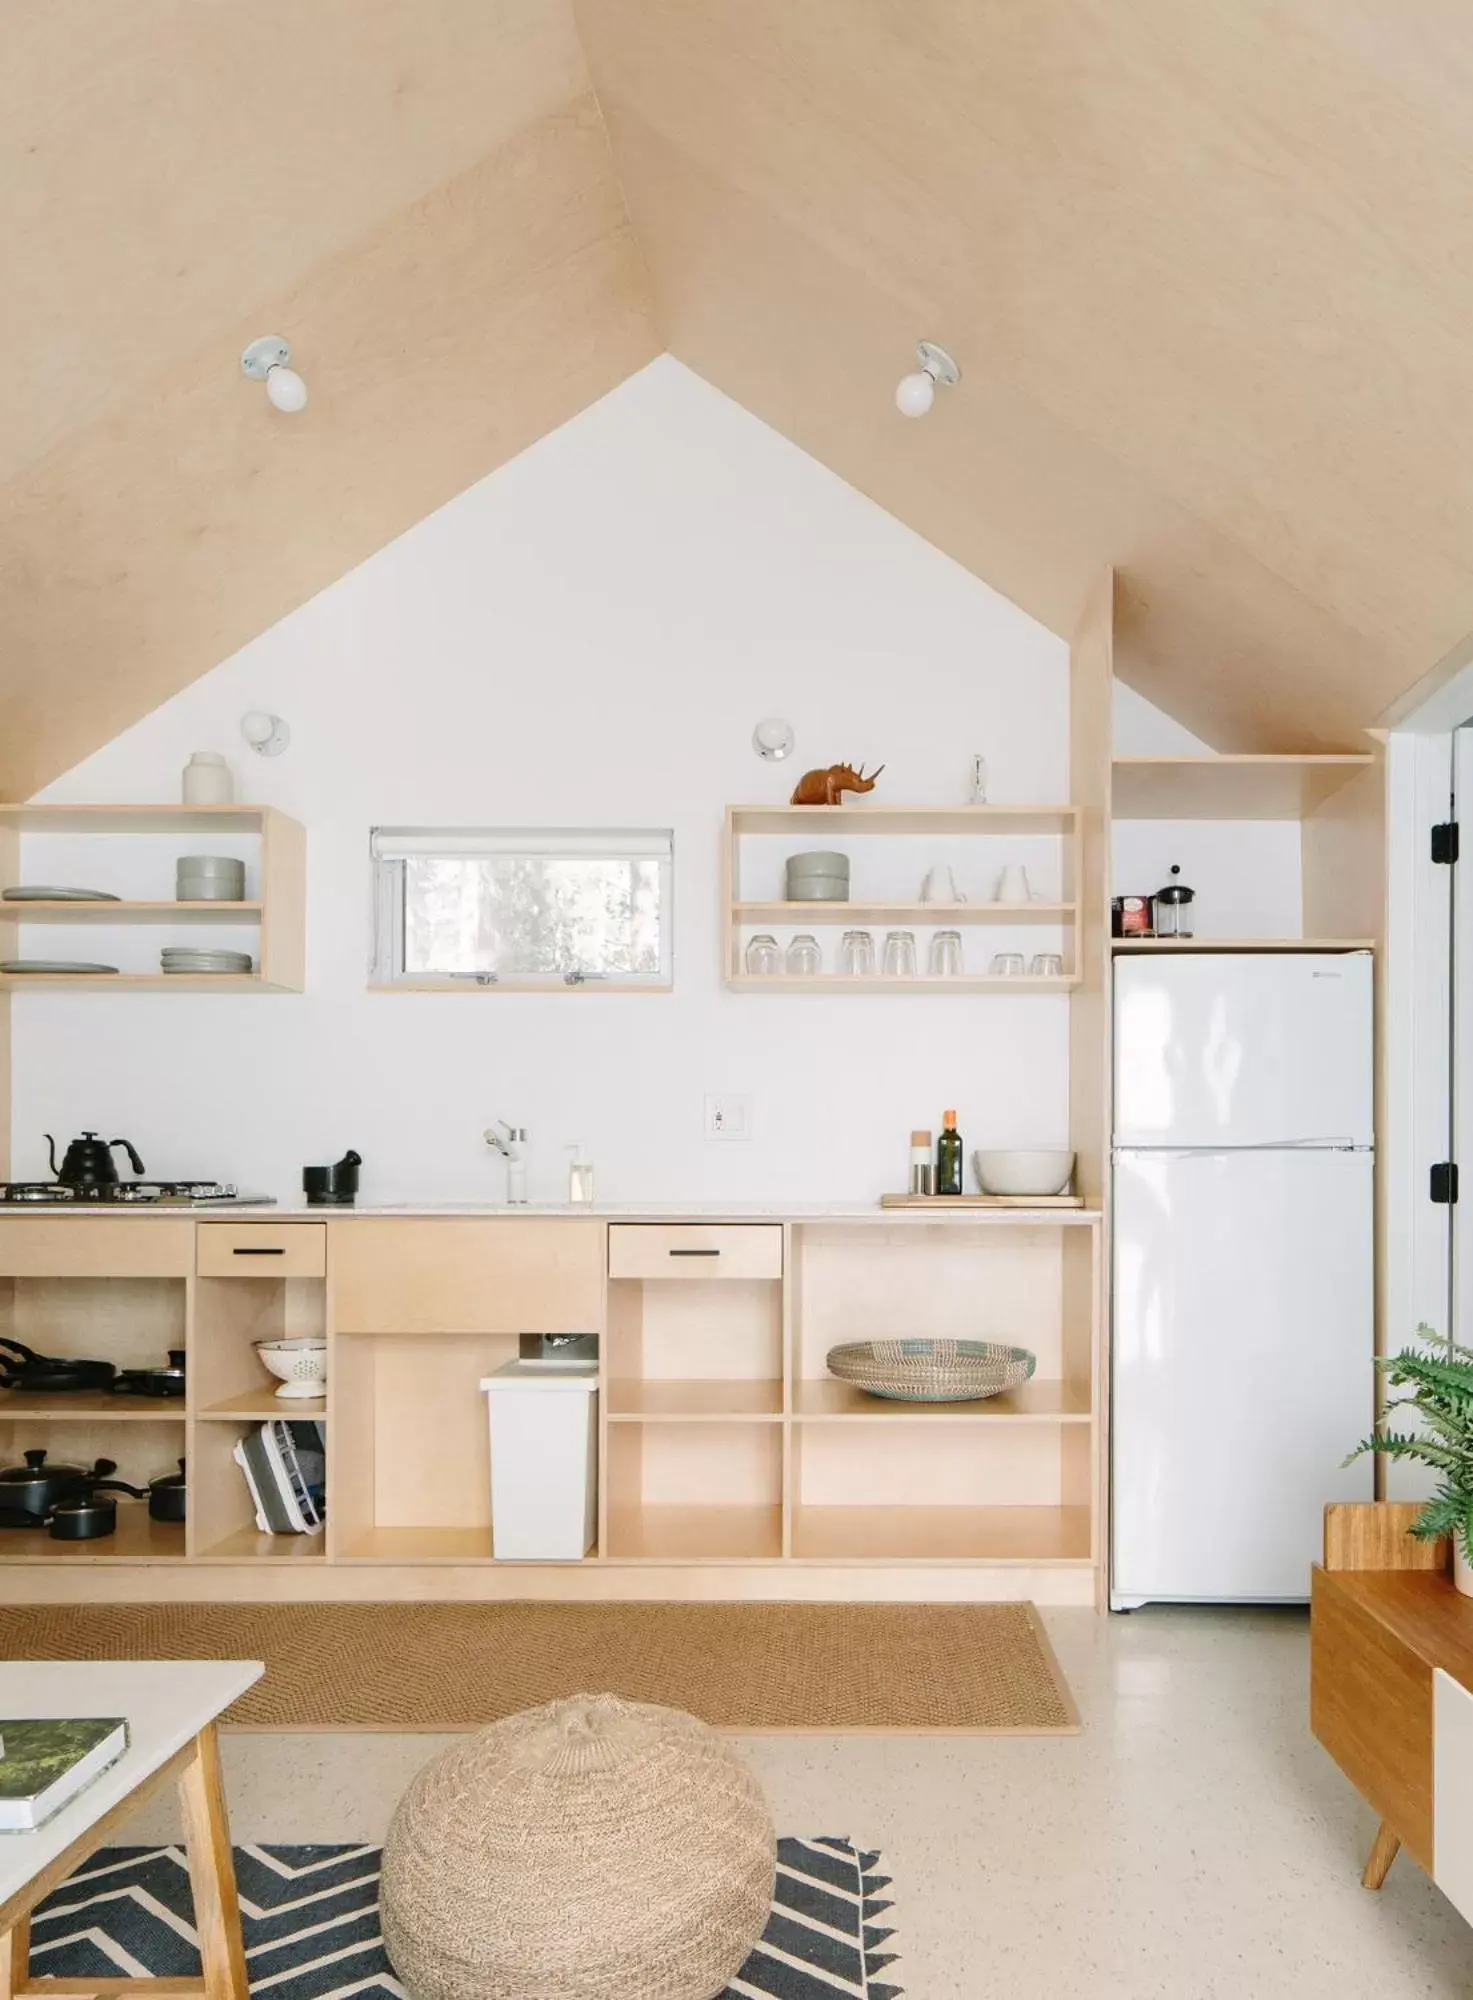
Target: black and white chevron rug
{"points": [[310, 1920]]}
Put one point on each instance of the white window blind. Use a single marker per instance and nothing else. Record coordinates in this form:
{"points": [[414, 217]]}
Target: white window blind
{"points": [[503, 906]]}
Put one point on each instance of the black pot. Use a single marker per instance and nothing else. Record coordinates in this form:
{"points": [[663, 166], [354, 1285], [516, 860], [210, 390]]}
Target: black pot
{"points": [[166, 1495], [334, 1186], [29, 1492], [34, 1373], [89, 1515], [153, 1381]]}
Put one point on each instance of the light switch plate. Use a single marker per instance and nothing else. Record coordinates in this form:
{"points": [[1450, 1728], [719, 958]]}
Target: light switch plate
{"points": [[729, 1117]]}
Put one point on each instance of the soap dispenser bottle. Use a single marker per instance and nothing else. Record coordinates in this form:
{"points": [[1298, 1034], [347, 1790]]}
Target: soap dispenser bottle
{"points": [[580, 1179]]}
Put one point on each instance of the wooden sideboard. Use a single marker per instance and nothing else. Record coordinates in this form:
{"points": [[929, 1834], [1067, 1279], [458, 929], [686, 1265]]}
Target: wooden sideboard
{"points": [[731, 1464], [1391, 1688]]}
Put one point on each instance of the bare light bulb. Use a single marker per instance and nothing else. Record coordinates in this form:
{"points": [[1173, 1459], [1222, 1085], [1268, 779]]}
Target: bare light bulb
{"points": [[286, 389], [267, 734], [914, 394]]}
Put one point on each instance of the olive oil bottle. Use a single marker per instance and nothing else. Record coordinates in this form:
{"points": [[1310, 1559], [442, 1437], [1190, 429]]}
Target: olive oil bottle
{"points": [[949, 1156]]}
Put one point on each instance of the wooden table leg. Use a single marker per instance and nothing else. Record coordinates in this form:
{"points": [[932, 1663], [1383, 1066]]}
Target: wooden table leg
{"points": [[212, 1871], [15, 1958], [1384, 1851]]}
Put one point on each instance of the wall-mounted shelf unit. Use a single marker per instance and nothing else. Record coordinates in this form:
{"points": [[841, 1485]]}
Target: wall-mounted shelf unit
{"points": [[891, 848], [130, 850]]}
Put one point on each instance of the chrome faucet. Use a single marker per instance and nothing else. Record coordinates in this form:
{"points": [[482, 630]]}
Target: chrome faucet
{"points": [[512, 1150]]}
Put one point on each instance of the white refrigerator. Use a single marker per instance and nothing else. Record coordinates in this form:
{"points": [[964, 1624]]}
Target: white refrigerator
{"points": [[1243, 1327]]}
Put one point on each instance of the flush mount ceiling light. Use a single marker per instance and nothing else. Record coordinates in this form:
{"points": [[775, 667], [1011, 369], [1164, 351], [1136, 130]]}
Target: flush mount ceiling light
{"points": [[267, 734], [265, 360], [914, 394]]}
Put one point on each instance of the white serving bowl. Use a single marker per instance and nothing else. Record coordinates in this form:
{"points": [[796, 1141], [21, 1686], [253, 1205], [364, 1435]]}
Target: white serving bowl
{"points": [[299, 1365], [1039, 1172]]}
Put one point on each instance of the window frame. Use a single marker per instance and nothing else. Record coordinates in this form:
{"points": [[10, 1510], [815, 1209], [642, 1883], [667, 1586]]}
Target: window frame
{"points": [[391, 846]]}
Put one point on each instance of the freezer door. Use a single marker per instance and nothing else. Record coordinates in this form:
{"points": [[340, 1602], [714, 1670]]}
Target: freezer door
{"points": [[1242, 1368], [1242, 1049]]}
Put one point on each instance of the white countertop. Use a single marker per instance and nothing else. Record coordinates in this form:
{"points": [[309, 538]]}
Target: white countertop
{"points": [[652, 1211]]}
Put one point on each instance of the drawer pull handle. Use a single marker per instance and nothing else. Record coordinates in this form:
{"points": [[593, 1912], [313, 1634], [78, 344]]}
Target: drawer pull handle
{"points": [[695, 1253], [254, 1252]]}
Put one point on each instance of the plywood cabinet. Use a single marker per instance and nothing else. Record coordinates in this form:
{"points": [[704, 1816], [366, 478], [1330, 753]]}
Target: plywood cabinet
{"points": [[730, 1461]]}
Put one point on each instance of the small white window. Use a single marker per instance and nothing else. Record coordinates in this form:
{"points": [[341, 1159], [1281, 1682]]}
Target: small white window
{"points": [[506, 907]]}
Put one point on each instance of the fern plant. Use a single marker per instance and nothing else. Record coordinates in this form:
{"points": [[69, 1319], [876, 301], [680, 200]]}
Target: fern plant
{"points": [[1439, 1377]]}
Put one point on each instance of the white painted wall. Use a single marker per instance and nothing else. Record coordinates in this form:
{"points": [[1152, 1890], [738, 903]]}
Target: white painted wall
{"points": [[585, 638], [1246, 872]]}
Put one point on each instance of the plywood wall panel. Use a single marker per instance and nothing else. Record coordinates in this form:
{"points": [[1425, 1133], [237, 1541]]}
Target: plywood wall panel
{"points": [[1201, 268], [153, 544]]}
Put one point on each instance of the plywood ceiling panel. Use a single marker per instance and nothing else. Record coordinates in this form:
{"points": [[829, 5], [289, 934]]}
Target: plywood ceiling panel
{"points": [[1204, 268], [420, 197]]}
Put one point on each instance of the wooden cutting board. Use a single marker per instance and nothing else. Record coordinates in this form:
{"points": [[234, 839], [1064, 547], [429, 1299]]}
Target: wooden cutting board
{"points": [[981, 1201]]}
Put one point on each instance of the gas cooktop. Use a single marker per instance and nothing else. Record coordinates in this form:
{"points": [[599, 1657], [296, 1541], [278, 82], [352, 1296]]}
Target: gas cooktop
{"points": [[171, 1194]]}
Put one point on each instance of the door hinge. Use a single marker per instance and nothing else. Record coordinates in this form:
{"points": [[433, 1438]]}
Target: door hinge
{"points": [[1445, 842], [1445, 1182]]}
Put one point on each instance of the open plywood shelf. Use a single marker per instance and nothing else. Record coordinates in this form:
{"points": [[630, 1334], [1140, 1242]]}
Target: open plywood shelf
{"points": [[692, 1402], [1230, 787], [887, 820], [139, 1538], [695, 1533], [250, 1545], [1035, 1402], [942, 1534], [838, 982], [799, 915], [91, 1406], [262, 1406], [131, 913], [277, 912], [968, 838]]}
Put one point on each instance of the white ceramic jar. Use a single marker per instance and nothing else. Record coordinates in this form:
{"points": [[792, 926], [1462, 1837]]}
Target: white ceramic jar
{"points": [[207, 780]]}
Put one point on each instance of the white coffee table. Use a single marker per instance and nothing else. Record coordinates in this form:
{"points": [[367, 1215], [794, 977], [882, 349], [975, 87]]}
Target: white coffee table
{"points": [[171, 1706]]}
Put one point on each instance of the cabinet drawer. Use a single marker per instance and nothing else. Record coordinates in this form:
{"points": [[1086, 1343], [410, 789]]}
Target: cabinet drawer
{"points": [[110, 1246], [262, 1250], [465, 1276], [695, 1250]]}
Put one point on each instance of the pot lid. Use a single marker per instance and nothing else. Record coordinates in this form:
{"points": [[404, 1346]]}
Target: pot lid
{"points": [[38, 1469]]}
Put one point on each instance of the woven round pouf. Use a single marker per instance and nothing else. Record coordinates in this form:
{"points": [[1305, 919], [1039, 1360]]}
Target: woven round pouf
{"points": [[589, 1848]]}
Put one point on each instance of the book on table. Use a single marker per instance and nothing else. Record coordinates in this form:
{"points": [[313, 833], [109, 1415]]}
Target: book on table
{"points": [[45, 1763]]}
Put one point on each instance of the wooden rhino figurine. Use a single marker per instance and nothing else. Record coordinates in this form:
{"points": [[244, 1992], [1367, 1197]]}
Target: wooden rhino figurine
{"points": [[825, 788]]}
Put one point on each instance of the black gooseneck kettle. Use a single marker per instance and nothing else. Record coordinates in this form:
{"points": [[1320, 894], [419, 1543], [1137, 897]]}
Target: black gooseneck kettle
{"points": [[88, 1161]]}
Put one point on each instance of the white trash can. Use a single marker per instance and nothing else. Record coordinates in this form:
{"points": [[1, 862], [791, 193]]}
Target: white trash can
{"points": [[544, 1460]]}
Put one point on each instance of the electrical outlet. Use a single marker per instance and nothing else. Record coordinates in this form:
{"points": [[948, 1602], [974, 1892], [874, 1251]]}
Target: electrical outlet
{"points": [[728, 1117]]}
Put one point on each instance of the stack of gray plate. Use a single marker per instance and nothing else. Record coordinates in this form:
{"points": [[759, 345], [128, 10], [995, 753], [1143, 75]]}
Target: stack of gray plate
{"points": [[185, 958]]}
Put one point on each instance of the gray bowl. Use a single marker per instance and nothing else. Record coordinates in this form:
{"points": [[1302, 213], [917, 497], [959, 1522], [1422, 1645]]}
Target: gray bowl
{"points": [[819, 877], [209, 878]]}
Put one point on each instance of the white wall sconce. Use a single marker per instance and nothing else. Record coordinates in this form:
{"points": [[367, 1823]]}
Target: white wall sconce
{"points": [[266, 360], [267, 734], [914, 394], [772, 739]]}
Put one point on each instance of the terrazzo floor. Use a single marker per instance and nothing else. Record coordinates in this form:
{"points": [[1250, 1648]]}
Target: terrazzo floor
{"points": [[1194, 1843]]}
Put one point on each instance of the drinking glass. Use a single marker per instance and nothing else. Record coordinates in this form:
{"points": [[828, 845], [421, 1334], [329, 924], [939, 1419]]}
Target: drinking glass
{"points": [[944, 960], [857, 954], [900, 955], [804, 957], [763, 956], [1047, 965], [1007, 965]]}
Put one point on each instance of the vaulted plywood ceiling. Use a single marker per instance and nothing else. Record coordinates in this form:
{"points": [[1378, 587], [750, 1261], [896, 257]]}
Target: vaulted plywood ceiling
{"points": [[1205, 268], [417, 193]]}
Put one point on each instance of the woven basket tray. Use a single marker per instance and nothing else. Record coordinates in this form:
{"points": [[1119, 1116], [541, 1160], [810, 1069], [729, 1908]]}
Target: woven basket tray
{"points": [[931, 1371]]}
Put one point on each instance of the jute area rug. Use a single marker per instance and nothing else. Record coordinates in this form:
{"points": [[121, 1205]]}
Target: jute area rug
{"points": [[924, 1669]]}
